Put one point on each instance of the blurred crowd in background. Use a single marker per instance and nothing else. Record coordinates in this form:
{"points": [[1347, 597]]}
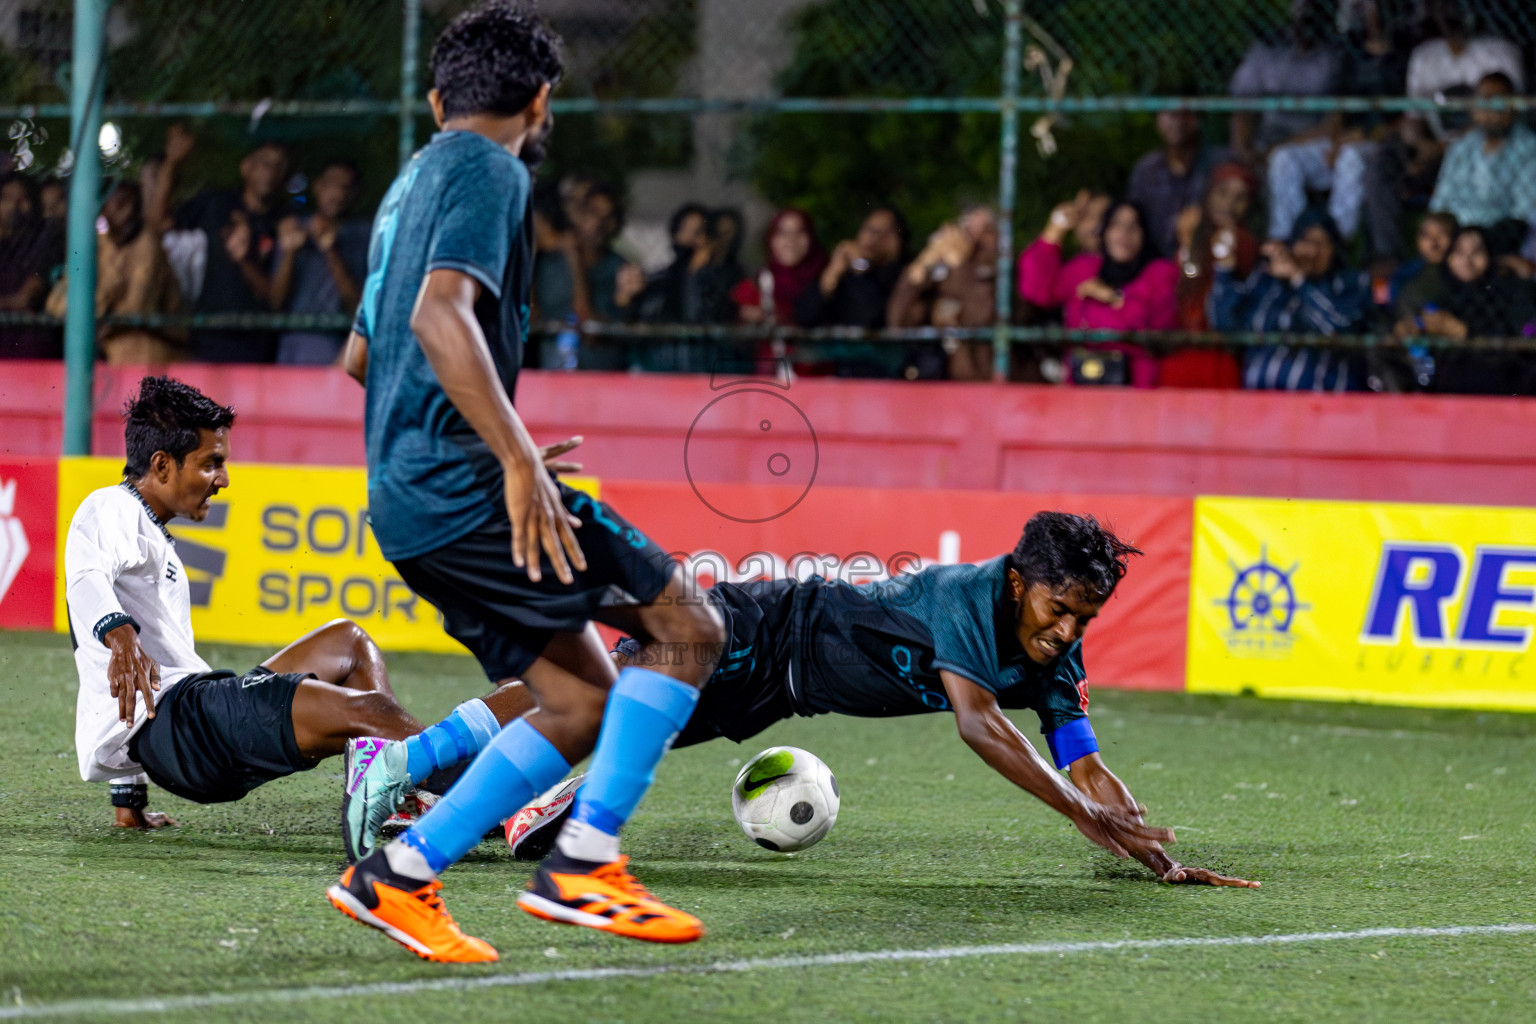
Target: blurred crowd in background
{"points": [[1285, 222]]}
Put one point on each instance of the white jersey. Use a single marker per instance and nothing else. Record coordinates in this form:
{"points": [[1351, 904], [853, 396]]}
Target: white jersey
{"points": [[119, 559]]}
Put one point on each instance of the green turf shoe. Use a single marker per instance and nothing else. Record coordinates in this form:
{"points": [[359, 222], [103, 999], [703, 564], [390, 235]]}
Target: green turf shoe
{"points": [[376, 784]]}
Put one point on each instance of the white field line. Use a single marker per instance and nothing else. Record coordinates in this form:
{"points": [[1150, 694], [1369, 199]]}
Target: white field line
{"points": [[172, 1004]]}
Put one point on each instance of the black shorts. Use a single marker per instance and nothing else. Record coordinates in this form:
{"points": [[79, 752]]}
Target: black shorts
{"points": [[749, 690], [491, 607], [216, 736]]}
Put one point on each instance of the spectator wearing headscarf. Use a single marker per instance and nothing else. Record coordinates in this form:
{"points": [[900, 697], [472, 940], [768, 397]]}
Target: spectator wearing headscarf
{"points": [[1300, 288], [1476, 301], [796, 259], [1217, 229], [1121, 288]]}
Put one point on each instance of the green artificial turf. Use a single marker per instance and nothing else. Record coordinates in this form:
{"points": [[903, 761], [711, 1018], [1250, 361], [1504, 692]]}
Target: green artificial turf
{"points": [[1353, 818]]}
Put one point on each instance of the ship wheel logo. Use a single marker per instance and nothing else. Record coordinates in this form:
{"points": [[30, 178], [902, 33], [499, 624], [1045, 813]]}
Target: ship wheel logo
{"points": [[1262, 598]]}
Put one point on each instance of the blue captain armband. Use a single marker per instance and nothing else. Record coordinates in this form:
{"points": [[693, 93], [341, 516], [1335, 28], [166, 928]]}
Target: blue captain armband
{"points": [[1072, 741]]}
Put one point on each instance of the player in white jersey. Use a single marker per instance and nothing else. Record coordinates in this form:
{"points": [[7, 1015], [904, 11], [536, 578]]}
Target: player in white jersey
{"points": [[205, 735]]}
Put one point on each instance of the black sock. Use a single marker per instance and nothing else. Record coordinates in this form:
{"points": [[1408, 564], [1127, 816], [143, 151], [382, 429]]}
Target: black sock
{"points": [[442, 780]]}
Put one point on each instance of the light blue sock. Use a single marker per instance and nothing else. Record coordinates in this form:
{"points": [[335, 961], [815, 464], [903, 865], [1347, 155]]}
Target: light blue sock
{"points": [[454, 740], [517, 765], [645, 712]]}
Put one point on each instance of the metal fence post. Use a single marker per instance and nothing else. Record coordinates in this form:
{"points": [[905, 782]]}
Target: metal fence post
{"points": [[410, 44], [85, 93], [1007, 186]]}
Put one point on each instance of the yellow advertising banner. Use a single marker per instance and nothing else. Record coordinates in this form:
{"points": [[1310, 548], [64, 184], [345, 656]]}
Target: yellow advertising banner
{"points": [[284, 549], [1430, 605]]}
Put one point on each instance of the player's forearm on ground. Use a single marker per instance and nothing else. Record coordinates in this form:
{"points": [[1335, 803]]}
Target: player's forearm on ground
{"points": [[998, 742], [456, 349]]}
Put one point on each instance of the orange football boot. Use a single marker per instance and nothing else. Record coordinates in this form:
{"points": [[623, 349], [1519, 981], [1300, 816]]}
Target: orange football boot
{"points": [[411, 914], [605, 897]]}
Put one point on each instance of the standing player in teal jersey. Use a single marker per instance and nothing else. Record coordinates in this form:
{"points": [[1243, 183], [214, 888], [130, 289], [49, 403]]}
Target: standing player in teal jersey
{"points": [[463, 506]]}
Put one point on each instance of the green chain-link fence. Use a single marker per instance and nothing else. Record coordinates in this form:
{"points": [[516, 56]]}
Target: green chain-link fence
{"points": [[833, 106]]}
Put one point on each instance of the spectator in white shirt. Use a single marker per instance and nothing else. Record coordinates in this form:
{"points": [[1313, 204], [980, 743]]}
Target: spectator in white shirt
{"points": [[1450, 63]]}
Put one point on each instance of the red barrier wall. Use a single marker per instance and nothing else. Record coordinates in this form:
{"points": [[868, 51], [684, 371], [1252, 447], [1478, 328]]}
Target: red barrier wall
{"points": [[894, 434], [29, 495]]}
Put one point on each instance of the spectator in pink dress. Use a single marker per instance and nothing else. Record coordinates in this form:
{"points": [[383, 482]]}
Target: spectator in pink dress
{"points": [[1120, 288]]}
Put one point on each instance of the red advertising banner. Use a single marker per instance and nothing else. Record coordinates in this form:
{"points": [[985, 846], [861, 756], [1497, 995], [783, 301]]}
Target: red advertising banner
{"points": [[736, 531], [29, 494]]}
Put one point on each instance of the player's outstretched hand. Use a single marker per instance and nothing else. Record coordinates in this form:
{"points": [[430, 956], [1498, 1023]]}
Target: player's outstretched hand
{"points": [[1181, 875], [1118, 832], [551, 453], [131, 672], [540, 523]]}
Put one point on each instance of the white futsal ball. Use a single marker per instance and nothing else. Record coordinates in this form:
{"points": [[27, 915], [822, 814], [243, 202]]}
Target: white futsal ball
{"points": [[785, 799]]}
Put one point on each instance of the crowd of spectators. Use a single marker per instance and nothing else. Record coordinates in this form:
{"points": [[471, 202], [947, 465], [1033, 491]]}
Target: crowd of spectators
{"points": [[1280, 221], [259, 248]]}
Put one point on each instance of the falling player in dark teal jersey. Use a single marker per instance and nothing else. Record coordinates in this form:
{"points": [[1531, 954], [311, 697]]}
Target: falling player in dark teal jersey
{"points": [[970, 640]]}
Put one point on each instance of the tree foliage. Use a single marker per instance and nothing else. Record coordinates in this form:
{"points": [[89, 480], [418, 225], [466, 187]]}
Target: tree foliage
{"points": [[838, 165]]}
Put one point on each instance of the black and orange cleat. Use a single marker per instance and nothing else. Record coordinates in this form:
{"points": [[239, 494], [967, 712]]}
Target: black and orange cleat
{"points": [[408, 911], [605, 897]]}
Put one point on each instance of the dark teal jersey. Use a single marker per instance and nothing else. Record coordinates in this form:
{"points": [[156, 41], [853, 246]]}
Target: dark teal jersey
{"points": [[462, 203], [875, 651]]}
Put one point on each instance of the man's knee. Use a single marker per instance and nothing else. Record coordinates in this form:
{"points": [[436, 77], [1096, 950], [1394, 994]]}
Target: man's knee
{"points": [[691, 622], [350, 635], [699, 631]]}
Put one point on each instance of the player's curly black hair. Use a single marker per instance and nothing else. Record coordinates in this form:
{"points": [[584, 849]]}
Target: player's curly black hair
{"points": [[167, 416], [494, 59], [1061, 549]]}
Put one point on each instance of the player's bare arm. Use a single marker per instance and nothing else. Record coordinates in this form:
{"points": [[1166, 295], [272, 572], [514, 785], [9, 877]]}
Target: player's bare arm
{"points": [[354, 358], [1093, 777], [998, 742], [444, 323]]}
